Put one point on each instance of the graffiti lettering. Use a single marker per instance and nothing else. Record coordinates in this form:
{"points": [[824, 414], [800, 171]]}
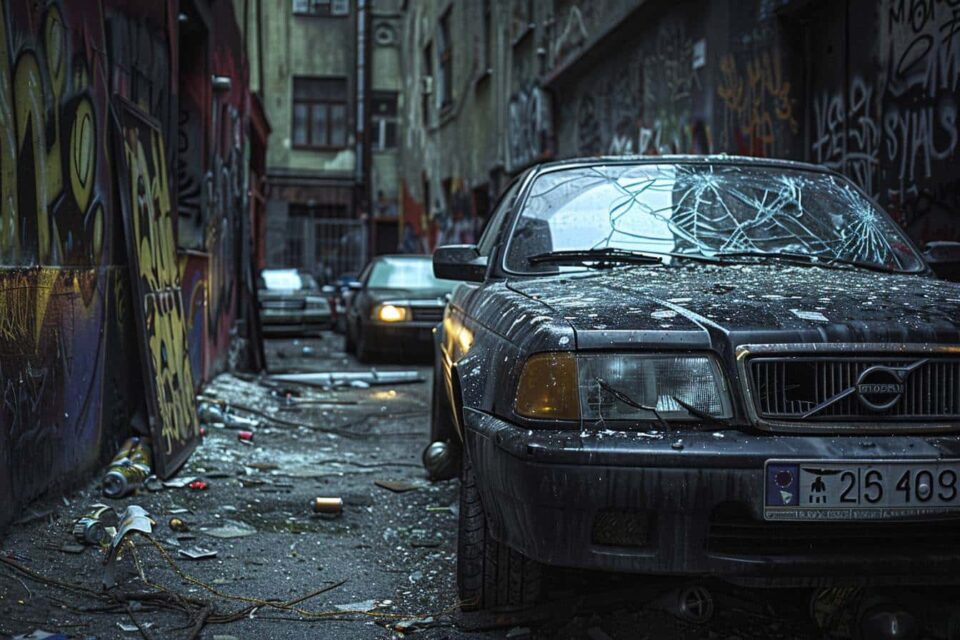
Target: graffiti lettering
{"points": [[530, 129]]}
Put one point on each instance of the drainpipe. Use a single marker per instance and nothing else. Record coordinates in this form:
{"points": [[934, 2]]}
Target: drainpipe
{"points": [[360, 146]]}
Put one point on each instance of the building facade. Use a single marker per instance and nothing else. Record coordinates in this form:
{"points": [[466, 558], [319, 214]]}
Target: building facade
{"points": [[869, 88], [71, 382], [331, 71]]}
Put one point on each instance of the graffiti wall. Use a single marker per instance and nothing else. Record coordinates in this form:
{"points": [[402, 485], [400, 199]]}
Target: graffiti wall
{"points": [[867, 88], [66, 399]]}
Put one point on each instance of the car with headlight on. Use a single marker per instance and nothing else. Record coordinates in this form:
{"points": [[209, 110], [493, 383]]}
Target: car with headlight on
{"points": [[697, 366], [394, 307], [291, 303]]}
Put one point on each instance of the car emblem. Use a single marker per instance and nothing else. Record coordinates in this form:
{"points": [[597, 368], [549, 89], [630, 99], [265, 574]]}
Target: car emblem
{"points": [[878, 388]]}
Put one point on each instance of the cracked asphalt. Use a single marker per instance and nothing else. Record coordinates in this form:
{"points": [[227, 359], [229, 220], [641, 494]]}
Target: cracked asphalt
{"points": [[385, 565]]}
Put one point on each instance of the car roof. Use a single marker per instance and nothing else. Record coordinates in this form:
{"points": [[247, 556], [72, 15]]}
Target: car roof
{"points": [[720, 158], [404, 256]]}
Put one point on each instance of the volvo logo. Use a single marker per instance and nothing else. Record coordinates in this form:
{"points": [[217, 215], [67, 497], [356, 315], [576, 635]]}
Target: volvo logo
{"points": [[880, 388]]}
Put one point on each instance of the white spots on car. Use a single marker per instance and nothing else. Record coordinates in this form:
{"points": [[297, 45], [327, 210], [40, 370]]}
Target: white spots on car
{"points": [[814, 316]]}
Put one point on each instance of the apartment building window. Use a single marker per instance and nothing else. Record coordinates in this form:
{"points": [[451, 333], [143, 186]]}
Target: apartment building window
{"points": [[319, 113], [336, 8], [383, 105], [445, 61]]}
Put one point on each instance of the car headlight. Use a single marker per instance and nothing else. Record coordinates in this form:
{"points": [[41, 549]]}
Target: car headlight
{"points": [[601, 387], [387, 312]]}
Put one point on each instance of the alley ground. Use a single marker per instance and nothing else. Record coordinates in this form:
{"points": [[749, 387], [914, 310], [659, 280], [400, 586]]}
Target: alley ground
{"points": [[386, 565]]}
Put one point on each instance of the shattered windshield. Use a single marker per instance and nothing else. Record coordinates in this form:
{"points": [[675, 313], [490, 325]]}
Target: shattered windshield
{"points": [[722, 212]]}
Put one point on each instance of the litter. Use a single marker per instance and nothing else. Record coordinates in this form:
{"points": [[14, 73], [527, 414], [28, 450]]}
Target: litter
{"points": [[245, 437], [397, 486], [197, 553], [179, 483], [132, 628], [334, 379], [198, 485], [134, 520], [129, 469], [361, 607], [328, 505], [89, 529], [176, 524], [230, 529], [40, 634]]}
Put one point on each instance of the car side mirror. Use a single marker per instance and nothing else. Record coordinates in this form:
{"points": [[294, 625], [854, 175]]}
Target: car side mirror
{"points": [[354, 285], [944, 258], [459, 262]]}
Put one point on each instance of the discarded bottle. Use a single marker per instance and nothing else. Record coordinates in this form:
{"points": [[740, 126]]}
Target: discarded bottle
{"points": [[129, 469], [328, 505], [89, 529], [209, 412], [176, 524]]}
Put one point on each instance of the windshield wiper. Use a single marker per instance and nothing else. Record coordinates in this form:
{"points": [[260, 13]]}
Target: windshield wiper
{"points": [[630, 402], [702, 415], [602, 258], [804, 258]]}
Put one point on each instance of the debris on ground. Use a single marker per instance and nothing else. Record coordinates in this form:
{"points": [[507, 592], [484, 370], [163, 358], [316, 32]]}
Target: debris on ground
{"points": [[197, 553], [347, 378], [396, 486], [90, 529], [328, 505], [129, 469]]}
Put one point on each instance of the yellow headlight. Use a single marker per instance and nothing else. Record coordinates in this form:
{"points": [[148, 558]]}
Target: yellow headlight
{"points": [[390, 313], [548, 388]]}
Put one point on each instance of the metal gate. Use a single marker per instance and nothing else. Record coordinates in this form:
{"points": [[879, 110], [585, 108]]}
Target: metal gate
{"points": [[340, 246]]}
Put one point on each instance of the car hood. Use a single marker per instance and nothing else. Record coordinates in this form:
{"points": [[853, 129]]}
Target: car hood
{"points": [[708, 305], [380, 294]]}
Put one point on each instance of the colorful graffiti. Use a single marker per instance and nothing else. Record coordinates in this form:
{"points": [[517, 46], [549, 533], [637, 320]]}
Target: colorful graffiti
{"points": [[148, 214], [51, 172], [757, 102], [645, 101]]}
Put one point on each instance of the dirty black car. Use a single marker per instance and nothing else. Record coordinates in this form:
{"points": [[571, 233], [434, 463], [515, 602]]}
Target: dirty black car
{"points": [[394, 307], [712, 367]]}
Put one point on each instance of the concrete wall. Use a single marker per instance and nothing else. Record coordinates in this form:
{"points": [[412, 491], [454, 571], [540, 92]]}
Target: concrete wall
{"points": [[869, 88], [69, 363], [296, 45]]}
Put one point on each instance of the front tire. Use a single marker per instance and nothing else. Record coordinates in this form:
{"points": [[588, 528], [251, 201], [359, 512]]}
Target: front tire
{"points": [[489, 574]]}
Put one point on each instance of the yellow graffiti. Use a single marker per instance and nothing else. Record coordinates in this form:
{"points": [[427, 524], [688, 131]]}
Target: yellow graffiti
{"points": [[30, 142], [82, 160], [9, 214], [172, 375], [151, 212], [756, 97]]}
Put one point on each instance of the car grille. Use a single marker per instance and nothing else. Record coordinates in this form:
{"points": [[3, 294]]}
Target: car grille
{"points": [[734, 532], [840, 388], [427, 314], [283, 305]]}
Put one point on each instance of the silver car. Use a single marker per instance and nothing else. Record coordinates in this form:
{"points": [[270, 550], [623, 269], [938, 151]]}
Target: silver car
{"points": [[291, 303]]}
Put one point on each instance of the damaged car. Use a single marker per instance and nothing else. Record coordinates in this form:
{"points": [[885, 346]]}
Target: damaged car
{"points": [[712, 367]]}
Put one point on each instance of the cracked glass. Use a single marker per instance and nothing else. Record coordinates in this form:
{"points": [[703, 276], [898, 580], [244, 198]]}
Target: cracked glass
{"points": [[705, 211]]}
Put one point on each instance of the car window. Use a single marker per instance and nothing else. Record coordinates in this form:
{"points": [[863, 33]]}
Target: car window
{"points": [[406, 273], [308, 282], [705, 211], [489, 237], [281, 279]]}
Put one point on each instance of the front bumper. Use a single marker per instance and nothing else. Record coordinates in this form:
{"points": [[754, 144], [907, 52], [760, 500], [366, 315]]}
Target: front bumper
{"points": [[626, 501], [281, 322], [411, 338]]}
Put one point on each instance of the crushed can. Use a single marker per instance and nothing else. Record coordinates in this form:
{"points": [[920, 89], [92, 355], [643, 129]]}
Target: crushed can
{"points": [[129, 469], [245, 436], [89, 529], [198, 485], [328, 505]]}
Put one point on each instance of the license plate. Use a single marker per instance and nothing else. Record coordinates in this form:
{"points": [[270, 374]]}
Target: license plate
{"points": [[860, 490]]}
